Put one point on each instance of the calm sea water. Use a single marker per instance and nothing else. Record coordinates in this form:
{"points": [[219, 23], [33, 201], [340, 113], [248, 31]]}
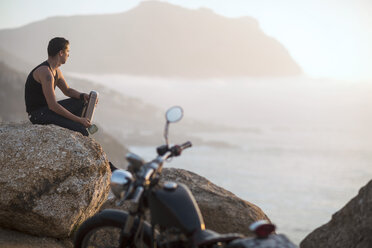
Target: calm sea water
{"points": [[306, 152]]}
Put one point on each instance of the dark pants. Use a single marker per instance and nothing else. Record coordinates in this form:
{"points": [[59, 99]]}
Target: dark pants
{"points": [[46, 116]]}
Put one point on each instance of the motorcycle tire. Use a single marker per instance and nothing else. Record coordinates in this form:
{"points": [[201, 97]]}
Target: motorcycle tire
{"points": [[104, 228]]}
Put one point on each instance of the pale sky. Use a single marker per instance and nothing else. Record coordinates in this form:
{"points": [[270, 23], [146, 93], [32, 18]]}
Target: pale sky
{"points": [[328, 38]]}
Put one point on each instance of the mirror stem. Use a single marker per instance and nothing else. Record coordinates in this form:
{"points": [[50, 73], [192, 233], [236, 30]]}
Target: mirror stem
{"points": [[166, 133]]}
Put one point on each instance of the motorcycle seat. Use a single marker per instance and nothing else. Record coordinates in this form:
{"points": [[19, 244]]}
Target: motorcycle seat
{"points": [[208, 237]]}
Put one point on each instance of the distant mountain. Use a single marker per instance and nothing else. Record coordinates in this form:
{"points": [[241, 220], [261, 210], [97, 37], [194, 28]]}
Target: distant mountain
{"points": [[14, 62], [12, 106], [156, 39]]}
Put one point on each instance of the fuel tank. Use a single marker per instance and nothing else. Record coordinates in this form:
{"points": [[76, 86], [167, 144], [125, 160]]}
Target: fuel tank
{"points": [[173, 205]]}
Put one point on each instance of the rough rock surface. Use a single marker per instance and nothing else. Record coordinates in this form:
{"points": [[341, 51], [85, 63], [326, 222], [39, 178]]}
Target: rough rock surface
{"points": [[51, 179], [222, 211], [14, 239], [349, 227]]}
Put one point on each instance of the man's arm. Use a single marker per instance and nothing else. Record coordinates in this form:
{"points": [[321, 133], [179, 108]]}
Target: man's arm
{"points": [[47, 83], [67, 91]]}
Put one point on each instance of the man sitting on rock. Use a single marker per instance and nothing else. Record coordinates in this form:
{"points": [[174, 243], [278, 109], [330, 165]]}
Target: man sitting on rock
{"points": [[41, 104]]}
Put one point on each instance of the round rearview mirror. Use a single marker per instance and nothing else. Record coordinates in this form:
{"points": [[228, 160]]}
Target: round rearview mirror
{"points": [[174, 114]]}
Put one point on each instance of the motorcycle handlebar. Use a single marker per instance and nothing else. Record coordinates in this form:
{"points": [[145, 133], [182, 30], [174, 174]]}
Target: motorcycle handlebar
{"points": [[186, 145], [177, 149], [148, 174], [152, 167]]}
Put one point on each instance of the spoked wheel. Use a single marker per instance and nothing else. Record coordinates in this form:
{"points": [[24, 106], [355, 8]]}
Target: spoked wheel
{"points": [[104, 229]]}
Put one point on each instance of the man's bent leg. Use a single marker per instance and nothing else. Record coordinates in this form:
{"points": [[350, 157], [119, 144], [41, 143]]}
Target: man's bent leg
{"points": [[53, 118], [73, 105]]}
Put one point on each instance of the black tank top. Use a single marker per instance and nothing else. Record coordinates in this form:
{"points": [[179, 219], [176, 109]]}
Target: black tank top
{"points": [[34, 96]]}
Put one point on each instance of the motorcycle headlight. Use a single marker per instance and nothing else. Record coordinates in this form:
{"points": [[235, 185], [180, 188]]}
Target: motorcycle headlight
{"points": [[120, 180]]}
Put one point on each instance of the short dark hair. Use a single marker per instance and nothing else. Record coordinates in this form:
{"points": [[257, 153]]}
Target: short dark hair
{"points": [[57, 44]]}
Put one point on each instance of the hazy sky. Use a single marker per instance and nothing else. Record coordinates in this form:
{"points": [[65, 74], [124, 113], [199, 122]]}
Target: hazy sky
{"points": [[328, 38]]}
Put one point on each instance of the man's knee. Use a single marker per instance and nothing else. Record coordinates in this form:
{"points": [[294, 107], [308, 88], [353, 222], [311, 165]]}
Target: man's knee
{"points": [[73, 105], [84, 132], [79, 128]]}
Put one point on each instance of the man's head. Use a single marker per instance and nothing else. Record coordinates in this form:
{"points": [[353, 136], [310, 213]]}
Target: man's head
{"points": [[59, 46], [56, 45]]}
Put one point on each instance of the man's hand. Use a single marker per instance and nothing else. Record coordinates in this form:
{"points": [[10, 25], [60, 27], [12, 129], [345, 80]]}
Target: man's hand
{"points": [[85, 122], [86, 97]]}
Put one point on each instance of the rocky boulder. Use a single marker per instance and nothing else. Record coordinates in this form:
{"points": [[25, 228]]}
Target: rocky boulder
{"points": [[349, 227], [15, 239], [51, 179], [222, 211]]}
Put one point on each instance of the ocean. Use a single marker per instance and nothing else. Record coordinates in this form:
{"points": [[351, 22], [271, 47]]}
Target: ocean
{"points": [[301, 151]]}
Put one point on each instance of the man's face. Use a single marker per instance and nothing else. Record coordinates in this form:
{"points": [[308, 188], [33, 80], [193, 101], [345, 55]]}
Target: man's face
{"points": [[65, 53]]}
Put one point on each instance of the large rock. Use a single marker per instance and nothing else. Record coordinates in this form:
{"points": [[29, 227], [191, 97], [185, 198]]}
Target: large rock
{"points": [[222, 211], [51, 179], [15, 239], [349, 227]]}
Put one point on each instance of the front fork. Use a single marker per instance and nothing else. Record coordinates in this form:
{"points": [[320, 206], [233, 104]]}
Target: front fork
{"points": [[126, 233], [128, 236]]}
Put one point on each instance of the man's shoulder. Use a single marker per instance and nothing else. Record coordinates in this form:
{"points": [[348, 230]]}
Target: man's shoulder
{"points": [[43, 64], [42, 70], [41, 73]]}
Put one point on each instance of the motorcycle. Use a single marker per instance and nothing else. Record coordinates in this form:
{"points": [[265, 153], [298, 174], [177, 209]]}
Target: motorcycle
{"points": [[176, 220]]}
